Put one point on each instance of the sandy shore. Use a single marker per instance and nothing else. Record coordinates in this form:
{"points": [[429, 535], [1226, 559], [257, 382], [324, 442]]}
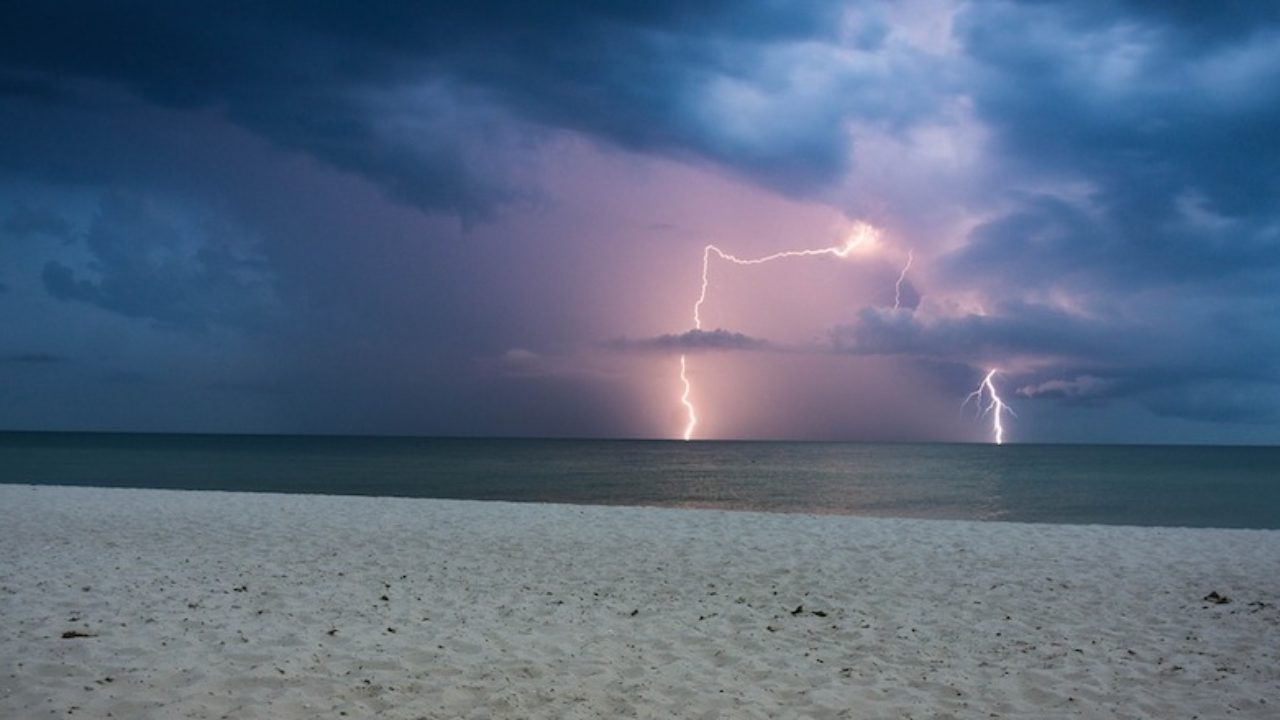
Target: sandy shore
{"points": [[139, 604]]}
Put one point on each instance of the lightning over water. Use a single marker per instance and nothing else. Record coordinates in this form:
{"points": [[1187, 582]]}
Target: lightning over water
{"points": [[986, 397], [688, 405], [994, 406], [863, 234]]}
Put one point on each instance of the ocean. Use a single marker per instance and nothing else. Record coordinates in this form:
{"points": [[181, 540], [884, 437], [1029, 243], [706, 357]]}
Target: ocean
{"points": [[1180, 486]]}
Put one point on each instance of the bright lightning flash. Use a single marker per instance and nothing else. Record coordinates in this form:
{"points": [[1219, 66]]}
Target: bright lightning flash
{"points": [[688, 405], [995, 406], [862, 235], [902, 276]]}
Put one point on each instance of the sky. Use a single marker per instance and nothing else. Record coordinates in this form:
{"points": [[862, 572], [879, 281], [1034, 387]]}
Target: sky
{"points": [[489, 218]]}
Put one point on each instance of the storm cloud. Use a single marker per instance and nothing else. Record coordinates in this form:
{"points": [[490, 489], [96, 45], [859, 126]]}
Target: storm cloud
{"points": [[144, 267], [415, 99], [693, 341], [363, 208]]}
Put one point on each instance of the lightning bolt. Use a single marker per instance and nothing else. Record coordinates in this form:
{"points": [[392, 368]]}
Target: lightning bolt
{"points": [[862, 234], [902, 276], [996, 407], [688, 405]]}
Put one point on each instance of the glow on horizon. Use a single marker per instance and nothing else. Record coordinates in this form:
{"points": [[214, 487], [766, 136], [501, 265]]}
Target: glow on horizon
{"points": [[863, 235], [996, 407]]}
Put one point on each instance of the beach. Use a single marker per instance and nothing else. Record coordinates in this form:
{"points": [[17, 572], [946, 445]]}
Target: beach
{"points": [[184, 604]]}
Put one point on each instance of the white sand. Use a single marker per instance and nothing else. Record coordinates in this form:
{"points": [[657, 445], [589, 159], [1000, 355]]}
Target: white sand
{"points": [[211, 605]]}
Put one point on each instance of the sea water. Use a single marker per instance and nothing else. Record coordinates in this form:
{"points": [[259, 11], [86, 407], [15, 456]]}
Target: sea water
{"points": [[1132, 485]]}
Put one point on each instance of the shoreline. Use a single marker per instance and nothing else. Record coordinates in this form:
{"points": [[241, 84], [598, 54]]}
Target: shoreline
{"points": [[207, 603], [688, 506]]}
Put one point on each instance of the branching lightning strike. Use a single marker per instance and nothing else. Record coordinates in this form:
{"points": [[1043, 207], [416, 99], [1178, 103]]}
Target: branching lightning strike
{"points": [[985, 397], [861, 235], [996, 407]]}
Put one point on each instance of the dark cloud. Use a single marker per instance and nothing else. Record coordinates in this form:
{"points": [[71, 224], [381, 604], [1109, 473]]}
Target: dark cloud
{"points": [[34, 358], [1124, 242], [1169, 140], [1052, 242], [249, 388], [129, 378], [1217, 401], [1140, 170], [413, 98], [1193, 22], [143, 266], [26, 87], [26, 221], [693, 341], [1079, 387], [1014, 331], [1171, 364]]}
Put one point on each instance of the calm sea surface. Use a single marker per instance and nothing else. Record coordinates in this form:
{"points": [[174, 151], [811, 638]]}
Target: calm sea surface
{"points": [[1133, 485]]}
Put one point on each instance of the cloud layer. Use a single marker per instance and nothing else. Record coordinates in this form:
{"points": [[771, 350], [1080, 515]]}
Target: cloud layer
{"points": [[694, 341], [348, 213]]}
